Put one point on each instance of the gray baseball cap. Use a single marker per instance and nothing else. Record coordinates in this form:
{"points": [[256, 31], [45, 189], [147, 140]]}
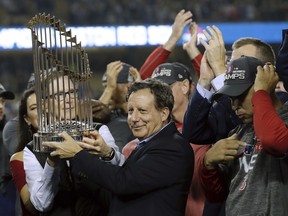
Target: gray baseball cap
{"points": [[8, 95]]}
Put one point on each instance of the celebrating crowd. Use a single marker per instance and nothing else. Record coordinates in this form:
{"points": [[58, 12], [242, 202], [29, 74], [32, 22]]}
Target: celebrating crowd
{"points": [[125, 12], [164, 144]]}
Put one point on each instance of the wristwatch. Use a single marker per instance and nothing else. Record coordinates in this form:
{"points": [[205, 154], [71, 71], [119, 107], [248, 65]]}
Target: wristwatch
{"points": [[110, 156]]}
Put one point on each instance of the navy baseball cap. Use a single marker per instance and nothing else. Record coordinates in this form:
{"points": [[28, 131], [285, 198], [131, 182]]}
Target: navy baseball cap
{"points": [[123, 77], [240, 76], [6, 94], [172, 72]]}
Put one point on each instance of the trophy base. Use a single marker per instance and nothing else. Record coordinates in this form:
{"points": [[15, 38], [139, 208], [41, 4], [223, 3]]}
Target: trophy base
{"points": [[39, 138]]}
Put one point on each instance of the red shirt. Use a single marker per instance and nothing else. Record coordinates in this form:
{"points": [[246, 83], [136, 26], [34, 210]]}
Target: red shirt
{"points": [[160, 56]]}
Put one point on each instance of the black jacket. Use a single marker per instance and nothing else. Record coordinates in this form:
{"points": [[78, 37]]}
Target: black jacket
{"points": [[154, 180], [206, 122], [281, 61]]}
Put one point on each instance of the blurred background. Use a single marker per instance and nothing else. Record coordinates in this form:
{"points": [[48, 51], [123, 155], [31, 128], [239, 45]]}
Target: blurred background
{"points": [[17, 65]]}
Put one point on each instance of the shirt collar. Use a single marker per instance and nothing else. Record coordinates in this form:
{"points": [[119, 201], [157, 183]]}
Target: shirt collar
{"points": [[142, 142]]}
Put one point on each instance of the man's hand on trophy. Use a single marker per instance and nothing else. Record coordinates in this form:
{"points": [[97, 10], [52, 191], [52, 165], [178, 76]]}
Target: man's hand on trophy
{"points": [[95, 144], [64, 149]]}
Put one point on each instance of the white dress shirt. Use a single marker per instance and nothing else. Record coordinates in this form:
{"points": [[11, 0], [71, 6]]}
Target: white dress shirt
{"points": [[43, 183], [216, 83]]}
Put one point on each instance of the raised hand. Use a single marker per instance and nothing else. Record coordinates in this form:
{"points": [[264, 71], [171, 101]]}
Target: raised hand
{"points": [[266, 78], [215, 49], [182, 19], [206, 73], [135, 74], [191, 45], [112, 71]]}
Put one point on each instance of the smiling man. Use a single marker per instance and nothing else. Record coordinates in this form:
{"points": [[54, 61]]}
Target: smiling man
{"points": [[155, 179]]}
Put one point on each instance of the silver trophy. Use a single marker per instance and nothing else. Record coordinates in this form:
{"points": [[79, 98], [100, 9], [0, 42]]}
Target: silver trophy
{"points": [[62, 72]]}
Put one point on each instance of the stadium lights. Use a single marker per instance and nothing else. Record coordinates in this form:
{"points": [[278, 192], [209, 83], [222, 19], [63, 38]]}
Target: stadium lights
{"points": [[144, 35]]}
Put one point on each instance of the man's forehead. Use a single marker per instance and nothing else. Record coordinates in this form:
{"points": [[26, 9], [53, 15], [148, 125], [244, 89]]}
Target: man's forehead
{"points": [[246, 50], [62, 83]]}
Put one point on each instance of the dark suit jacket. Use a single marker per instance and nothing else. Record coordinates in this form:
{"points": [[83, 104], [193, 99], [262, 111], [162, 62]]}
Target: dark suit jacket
{"points": [[206, 122], [154, 180], [281, 60]]}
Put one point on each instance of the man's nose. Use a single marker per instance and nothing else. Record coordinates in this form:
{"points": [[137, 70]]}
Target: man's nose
{"points": [[235, 104], [134, 116]]}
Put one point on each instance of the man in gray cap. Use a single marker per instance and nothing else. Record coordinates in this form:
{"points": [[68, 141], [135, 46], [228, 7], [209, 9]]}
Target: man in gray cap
{"points": [[7, 188], [249, 168]]}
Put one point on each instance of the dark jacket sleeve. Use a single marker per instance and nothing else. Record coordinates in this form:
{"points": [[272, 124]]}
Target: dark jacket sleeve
{"points": [[158, 168], [196, 120], [206, 122], [281, 61]]}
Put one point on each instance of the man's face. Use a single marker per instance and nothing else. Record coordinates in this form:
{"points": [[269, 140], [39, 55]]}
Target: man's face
{"points": [[32, 116], [247, 50], [180, 91], [65, 100], [243, 107], [143, 118], [2, 108]]}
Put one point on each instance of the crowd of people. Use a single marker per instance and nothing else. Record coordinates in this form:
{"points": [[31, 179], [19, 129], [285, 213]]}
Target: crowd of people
{"points": [[88, 12], [166, 143]]}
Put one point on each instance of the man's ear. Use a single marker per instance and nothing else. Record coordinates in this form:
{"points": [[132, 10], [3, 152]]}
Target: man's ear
{"points": [[185, 87], [165, 114]]}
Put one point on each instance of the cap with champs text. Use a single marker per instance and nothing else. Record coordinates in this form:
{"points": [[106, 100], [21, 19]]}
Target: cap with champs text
{"points": [[239, 77], [8, 95], [172, 72]]}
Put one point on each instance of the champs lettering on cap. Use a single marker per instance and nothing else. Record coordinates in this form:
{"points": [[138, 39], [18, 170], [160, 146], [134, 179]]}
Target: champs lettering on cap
{"points": [[239, 77], [172, 72]]}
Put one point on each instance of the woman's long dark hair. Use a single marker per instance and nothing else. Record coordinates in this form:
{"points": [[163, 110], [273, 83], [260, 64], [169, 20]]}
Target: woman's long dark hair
{"points": [[25, 131]]}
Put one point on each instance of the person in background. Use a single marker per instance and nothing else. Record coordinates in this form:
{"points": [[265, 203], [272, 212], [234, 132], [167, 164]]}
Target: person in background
{"points": [[281, 60], [179, 78], [53, 190], [161, 54], [207, 121], [7, 187], [11, 129], [155, 179], [116, 81], [28, 125], [250, 163]]}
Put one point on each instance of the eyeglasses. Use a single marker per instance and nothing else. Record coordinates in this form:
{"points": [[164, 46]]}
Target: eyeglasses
{"points": [[62, 95]]}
